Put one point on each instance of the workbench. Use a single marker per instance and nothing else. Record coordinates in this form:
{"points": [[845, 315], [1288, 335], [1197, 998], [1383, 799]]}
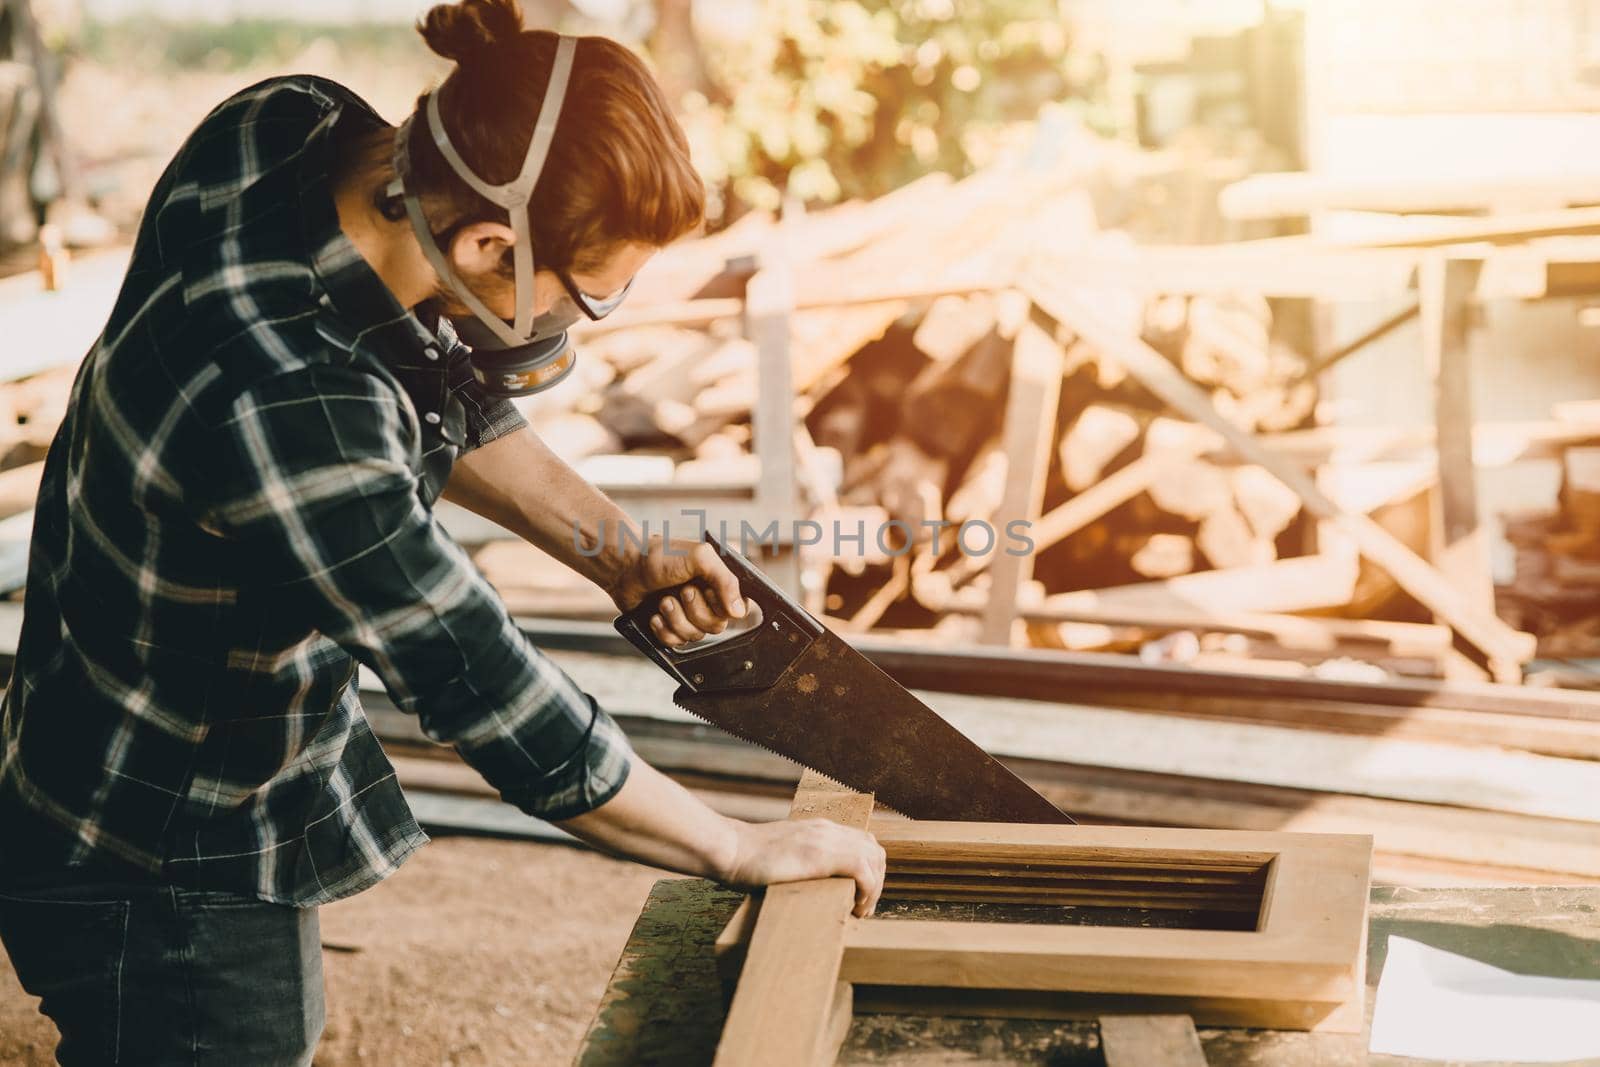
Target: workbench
{"points": [[665, 1003]]}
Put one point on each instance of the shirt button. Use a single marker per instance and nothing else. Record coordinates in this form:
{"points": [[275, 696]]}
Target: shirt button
{"points": [[431, 352], [432, 418]]}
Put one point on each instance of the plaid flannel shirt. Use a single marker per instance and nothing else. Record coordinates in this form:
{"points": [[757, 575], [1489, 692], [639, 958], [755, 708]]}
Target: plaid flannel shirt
{"points": [[237, 509]]}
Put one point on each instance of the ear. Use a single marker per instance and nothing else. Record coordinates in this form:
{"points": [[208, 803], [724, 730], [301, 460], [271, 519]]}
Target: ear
{"points": [[478, 248]]}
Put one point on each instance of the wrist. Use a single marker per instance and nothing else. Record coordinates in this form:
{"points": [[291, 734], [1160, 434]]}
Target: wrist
{"points": [[723, 853], [608, 556]]}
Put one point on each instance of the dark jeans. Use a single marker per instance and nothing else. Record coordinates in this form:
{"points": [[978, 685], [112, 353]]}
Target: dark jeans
{"points": [[152, 975]]}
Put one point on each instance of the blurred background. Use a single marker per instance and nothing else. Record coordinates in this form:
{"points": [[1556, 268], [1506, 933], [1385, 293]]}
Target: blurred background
{"points": [[927, 146], [1276, 321]]}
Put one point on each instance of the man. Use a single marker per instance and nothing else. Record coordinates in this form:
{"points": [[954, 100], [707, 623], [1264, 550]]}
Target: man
{"points": [[238, 509]]}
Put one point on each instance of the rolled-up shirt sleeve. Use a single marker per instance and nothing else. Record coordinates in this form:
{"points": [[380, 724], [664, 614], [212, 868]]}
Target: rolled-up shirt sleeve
{"points": [[488, 417], [314, 474]]}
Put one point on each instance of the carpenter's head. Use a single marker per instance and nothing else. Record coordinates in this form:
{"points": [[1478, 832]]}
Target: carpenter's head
{"points": [[616, 185]]}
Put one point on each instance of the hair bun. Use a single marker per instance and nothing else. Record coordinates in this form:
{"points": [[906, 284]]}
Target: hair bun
{"points": [[470, 28]]}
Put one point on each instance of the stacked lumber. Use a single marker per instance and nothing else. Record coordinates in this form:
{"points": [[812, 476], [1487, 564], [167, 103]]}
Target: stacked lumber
{"points": [[1556, 590], [904, 401], [902, 319], [1460, 783]]}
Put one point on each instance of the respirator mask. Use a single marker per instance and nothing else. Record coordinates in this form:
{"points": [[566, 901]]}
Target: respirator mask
{"points": [[532, 352]]}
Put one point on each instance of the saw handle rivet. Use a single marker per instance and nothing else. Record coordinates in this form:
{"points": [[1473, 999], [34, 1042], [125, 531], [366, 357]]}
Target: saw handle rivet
{"points": [[749, 666], [699, 678]]}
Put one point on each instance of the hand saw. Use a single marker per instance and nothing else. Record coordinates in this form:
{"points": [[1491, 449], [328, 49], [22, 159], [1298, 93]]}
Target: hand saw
{"points": [[787, 683]]}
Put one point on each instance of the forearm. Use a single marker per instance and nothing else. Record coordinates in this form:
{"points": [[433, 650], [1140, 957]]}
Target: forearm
{"points": [[519, 483], [656, 821]]}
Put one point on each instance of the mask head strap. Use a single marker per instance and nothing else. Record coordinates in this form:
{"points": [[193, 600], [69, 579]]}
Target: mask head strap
{"points": [[514, 196]]}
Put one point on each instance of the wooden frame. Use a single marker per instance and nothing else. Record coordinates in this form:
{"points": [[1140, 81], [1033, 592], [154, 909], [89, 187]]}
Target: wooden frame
{"points": [[1298, 960]]}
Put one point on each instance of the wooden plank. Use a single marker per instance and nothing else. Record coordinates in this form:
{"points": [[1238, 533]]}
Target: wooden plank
{"points": [[1445, 289], [1291, 267], [841, 1013], [1303, 583], [1029, 428], [1307, 632], [768, 310], [1420, 841], [1495, 229], [1150, 1041], [788, 997], [1294, 193], [1496, 640], [1307, 946]]}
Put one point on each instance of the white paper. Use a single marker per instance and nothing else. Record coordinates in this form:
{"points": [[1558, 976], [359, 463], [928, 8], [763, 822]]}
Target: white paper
{"points": [[1434, 1004]]}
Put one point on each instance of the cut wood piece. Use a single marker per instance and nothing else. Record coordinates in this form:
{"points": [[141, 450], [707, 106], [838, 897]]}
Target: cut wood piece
{"points": [[951, 407], [627, 470], [1029, 427], [1098, 435], [1150, 1041], [1504, 647], [1228, 541], [1165, 325], [982, 487], [1305, 583], [952, 325], [1267, 504], [1084, 636], [1228, 344], [574, 436], [788, 995], [1191, 490], [910, 486], [531, 582], [732, 356], [1160, 555], [729, 398], [738, 470], [644, 347]]}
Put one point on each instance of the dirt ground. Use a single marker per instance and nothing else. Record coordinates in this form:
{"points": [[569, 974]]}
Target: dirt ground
{"points": [[477, 952]]}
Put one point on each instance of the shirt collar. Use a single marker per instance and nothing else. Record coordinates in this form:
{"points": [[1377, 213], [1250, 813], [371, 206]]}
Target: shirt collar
{"points": [[350, 285]]}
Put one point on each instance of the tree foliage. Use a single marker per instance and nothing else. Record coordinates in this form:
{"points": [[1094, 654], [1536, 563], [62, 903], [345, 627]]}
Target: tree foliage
{"points": [[831, 99]]}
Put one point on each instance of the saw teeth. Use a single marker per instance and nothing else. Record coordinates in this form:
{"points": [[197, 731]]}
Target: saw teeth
{"points": [[876, 803]]}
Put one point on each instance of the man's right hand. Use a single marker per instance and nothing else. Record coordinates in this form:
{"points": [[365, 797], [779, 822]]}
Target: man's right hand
{"points": [[800, 849]]}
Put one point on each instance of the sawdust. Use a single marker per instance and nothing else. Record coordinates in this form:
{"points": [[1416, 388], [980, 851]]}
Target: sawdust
{"points": [[477, 953]]}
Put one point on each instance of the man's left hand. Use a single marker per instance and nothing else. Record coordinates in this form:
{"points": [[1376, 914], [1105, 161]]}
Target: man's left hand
{"points": [[704, 607]]}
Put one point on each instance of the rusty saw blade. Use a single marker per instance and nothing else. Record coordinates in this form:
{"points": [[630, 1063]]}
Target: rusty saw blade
{"points": [[788, 684]]}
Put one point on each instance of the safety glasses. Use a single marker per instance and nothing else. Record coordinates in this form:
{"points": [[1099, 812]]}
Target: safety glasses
{"points": [[595, 307]]}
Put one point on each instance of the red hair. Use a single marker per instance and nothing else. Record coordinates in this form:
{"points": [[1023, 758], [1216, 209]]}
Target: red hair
{"points": [[618, 168]]}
